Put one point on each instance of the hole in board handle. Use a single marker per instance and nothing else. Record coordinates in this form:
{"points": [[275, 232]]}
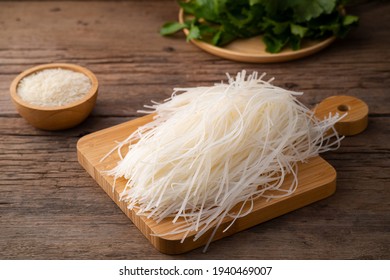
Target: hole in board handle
{"points": [[343, 108]]}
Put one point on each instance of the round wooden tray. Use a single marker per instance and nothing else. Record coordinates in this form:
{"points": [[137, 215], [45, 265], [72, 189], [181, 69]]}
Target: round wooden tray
{"points": [[253, 49]]}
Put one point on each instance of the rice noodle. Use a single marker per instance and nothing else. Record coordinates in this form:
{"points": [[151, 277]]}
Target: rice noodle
{"points": [[211, 148]]}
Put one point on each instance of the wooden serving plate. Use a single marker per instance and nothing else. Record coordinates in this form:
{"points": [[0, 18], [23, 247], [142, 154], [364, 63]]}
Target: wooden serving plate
{"points": [[253, 49], [317, 178]]}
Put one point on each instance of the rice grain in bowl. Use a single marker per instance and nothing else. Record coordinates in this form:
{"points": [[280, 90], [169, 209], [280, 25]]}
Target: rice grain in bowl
{"points": [[50, 102]]}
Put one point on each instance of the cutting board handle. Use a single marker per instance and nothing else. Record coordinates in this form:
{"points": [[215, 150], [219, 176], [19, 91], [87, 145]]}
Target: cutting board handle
{"points": [[356, 119]]}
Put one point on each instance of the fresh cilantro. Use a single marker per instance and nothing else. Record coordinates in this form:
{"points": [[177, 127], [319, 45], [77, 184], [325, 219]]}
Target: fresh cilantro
{"points": [[281, 22]]}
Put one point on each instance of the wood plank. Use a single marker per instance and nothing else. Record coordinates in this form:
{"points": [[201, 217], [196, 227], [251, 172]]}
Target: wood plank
{"points": [[70, 217]]}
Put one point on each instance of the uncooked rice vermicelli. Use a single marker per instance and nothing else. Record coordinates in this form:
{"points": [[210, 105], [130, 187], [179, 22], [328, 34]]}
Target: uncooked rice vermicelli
{"points": [[211, 148]]}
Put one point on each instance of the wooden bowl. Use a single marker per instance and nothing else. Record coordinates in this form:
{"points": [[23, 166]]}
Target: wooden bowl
{"points": [[56, 117]]}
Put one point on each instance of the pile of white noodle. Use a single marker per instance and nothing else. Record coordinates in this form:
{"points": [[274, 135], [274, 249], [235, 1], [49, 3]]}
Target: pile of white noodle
{"points": [[210, 148]]}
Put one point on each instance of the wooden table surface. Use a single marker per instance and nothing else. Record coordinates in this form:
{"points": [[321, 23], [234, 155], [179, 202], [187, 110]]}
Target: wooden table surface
{"points": [[50, 208]]}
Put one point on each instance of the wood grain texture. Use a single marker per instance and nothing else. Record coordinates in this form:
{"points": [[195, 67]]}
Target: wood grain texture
{"points": [[50, 208], [354, 113]]}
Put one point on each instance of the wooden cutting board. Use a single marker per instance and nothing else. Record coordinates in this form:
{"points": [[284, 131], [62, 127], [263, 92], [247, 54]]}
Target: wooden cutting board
{"points": [[317, 178]]}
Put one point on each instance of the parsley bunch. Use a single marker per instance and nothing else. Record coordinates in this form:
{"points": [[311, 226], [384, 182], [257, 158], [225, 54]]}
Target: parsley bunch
{"points": [[281, 22]]}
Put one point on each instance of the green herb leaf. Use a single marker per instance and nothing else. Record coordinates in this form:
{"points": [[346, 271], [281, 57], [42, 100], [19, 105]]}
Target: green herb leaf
{"points": [[222, 38], [295, 42], [274, 44], [305, 10], [298, 30], [171, 28], [349, 20], [194, 33]]}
